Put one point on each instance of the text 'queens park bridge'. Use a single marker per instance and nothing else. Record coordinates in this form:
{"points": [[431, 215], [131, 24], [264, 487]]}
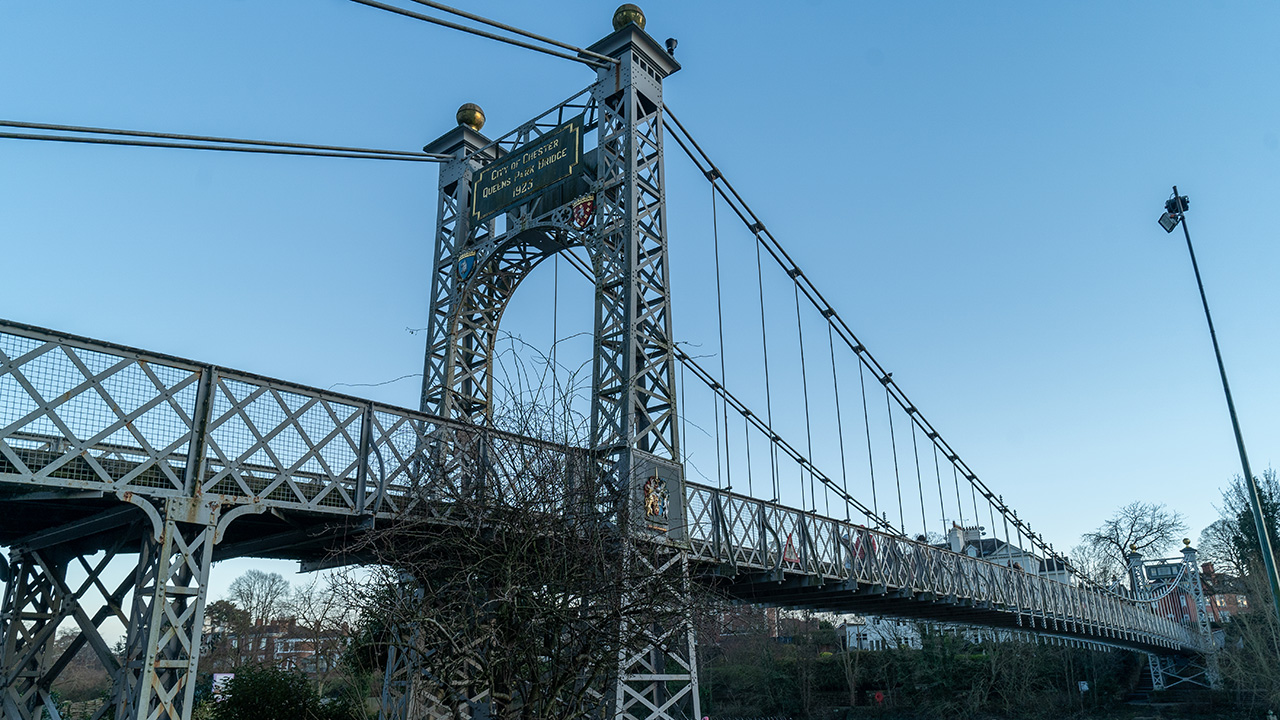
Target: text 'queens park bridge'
{"points": [[108, 452]]}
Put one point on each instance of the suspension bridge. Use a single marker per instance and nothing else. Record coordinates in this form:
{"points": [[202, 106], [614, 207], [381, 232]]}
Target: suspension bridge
{"points": [[823, 466]]}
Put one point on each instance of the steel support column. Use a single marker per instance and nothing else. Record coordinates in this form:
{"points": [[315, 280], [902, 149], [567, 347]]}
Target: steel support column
{"points": [[633, 398], [633, 419], [1212, 674], [33, 607], [158, 677], [657, 663]]}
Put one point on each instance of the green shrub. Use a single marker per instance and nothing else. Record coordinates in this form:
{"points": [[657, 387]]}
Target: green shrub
{"points": [[269, 693]]}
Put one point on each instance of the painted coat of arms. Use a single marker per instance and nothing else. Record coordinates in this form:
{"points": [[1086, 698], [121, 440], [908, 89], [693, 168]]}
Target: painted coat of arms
{"points": [[656, 499], [583, 211], [466, 263]]}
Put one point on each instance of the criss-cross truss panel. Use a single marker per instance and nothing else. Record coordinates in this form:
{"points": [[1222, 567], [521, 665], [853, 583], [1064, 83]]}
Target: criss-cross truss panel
{"points": [[270, 442], [795, 558], [89, 415], [468, 298], [83, 414], [479, 265]]}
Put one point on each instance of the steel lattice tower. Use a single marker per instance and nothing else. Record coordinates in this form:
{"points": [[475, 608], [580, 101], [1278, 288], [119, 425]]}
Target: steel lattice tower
{"points": [[479, 265]]}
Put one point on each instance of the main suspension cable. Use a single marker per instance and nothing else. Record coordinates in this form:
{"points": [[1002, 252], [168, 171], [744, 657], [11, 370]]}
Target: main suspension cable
{"points": [[815, 297], [359, 155], [516, 30], [151, 134], [587, 60]]}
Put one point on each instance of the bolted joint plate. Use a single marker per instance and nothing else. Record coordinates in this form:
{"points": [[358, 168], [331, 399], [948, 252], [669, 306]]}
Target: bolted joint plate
{"points": [[193, 510]]}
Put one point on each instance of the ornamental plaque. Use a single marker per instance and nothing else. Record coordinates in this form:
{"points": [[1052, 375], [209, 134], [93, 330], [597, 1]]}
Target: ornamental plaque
{"points": [[526, 171]]}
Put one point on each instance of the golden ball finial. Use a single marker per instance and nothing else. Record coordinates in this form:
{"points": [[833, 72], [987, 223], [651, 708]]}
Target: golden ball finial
{"points": [[472, 116], [628, 13], [1133, 547], [1186, 541]]}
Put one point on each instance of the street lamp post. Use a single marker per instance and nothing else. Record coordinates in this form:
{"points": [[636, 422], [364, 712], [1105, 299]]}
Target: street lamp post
{"points": [[1174, 214]]}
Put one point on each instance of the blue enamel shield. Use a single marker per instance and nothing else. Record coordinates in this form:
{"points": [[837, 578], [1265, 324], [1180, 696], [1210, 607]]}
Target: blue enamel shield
{"points": [[466, 264]]}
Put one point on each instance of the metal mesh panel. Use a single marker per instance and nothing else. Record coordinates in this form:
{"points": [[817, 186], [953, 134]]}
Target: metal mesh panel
{"points": [[282, 445], [78, 415], [84, 417], [765, 536]]}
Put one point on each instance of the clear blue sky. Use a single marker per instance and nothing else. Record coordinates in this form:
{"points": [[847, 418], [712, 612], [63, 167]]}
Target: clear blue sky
{"points": [[974, 186]]}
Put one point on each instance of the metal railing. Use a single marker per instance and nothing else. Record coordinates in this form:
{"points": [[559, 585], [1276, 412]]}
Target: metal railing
{"points": [[82, 414], [755, 536], [86, 415]]}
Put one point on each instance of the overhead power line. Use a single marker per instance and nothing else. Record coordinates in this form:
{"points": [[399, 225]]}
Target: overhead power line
{"points": [[202, 142], [583, 56]]}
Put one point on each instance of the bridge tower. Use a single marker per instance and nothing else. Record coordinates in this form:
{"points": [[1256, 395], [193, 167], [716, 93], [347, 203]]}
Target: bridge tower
{"points": [[506, 205]]}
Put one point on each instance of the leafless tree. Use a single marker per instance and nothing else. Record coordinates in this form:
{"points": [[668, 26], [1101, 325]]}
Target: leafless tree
{"points": [[518, 574], [84, 678], [1253, 642], [1150, 528], [1094, 562], [323, 616], [1237, 512], [1218, 546], [260, 594]]}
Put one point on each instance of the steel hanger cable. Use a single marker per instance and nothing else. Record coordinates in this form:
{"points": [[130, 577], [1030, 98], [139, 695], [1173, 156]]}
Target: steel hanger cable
{"points": [[776, 440], [835, 388], [915, 448], [735, 201], [764, 352], [893, 443], [715, 233], [942, 507], [866, 423]]}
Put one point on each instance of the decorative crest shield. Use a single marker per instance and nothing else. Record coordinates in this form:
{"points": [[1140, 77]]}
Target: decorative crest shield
{"points": [[583, 211], [466, 263], [656, 499]]}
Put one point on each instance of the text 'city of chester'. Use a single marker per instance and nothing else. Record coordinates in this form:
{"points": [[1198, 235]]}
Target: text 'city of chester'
{"points": [[526, 171]]}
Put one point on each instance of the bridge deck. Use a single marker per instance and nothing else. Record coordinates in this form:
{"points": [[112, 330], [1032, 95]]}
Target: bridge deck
{"points": [[85, 425]]}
